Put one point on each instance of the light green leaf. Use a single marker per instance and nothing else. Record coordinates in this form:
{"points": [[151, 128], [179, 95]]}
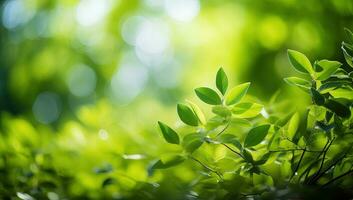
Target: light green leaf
{"points": [[293, 125], [237, 93], [247, 110], [346, 93], [221, 111], [299, 82], [168, 133], [208, 95], [256, 135], [198, 112], [300, 62], [192, 141], [187, 115], [325, 68], [222, 81]]}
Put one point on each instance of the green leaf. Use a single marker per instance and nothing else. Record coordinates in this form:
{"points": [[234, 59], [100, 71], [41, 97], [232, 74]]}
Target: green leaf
{"points": [[222, 111], [338, 108], [208, 96], [317, 98], [247, 110], [168, 133], [167, 161], [299, 82], [327, 68], [230, 139], [347, 57], [263, 159], [222, 81], [187, 115], [300, 62], [237, 93], [192, 141], [247, 155], [256, 135], [331, 85], [198, 112], [293, 125], [346, 93]]}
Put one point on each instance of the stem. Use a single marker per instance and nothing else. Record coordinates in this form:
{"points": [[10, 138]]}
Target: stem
{"points": [[338, 177], [207, 167], [296, 169], [225, 128], [314, 177], [284, 150], [231, 149]]}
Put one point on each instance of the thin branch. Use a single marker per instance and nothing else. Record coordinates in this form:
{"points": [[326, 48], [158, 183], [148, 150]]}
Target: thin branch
{"points": [[296, 169], [225, 128], [207, 167], [336, 178], [314, 177], [234, 151], [284, 150]]}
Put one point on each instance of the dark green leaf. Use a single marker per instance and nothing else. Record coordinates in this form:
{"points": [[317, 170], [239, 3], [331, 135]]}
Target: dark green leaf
{"points": [[247, 155], [256, 135], [317, 98], [208, 95], [108, 181], [168, 133], [263, 159], [300, 62], [338, 108], [198, 112], [237, 93], [168, 161], [192, 141], [222, 81], [187, 115]]}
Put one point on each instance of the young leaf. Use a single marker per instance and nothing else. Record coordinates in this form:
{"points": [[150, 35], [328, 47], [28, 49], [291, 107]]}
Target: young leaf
{"points": [[300, 62], [256, 135], [198, 112], [347, 57], [191, 142], [247, 110], [317, 98], [222, 81], [338, 108], [237, 93], [168, 133], [327, 68], [187, 115], [208, 96], [299, 82]]}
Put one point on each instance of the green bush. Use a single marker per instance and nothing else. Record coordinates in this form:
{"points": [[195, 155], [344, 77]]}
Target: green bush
{"points": [[248, 148]]}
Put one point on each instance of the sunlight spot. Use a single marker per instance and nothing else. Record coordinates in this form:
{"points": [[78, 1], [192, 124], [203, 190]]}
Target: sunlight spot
{"points": [[264, 113], [133, 156], [130, 29], [182, 10], [47, 107], [129, 80], [91, 12], [15, 13], [103, 134], [81, 81]]}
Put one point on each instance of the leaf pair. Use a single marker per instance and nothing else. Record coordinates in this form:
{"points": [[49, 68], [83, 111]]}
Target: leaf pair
{"points": [[211, 97], [322, 69]]}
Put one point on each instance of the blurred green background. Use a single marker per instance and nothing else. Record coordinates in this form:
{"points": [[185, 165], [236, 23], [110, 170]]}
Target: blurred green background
{"points": [[82, 83]]}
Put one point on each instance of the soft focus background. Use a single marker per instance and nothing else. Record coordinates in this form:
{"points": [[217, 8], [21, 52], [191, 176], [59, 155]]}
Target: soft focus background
{"points": [[83, 83]]}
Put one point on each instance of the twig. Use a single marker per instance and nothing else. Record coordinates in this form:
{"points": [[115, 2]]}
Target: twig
{"points": [[296, 169], [207, 167], [225, 128], [284, 150], [336, 178], [234, 151]]}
